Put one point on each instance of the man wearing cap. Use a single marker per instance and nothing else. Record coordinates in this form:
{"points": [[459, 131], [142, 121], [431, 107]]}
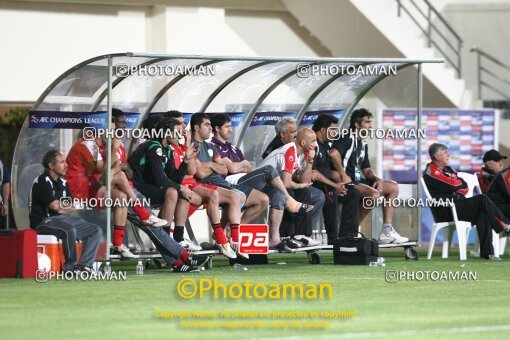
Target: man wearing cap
{"points": [[492, 166]]}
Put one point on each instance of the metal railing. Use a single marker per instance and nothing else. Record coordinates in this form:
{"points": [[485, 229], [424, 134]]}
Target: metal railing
{"points": [[448, 43], [491, 74]]}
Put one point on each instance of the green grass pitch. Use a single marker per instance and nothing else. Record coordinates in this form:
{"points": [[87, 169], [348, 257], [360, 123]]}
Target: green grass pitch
{"points": [[127, 309]]}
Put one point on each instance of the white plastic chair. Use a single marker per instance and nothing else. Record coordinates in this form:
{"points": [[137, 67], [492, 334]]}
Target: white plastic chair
{"points": [[473, 183], [462, 228]]}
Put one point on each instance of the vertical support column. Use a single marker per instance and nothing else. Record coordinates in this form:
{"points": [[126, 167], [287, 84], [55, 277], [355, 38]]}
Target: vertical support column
{"points": [[109, 157], [479, 73], [418, 146], [429, 27]]}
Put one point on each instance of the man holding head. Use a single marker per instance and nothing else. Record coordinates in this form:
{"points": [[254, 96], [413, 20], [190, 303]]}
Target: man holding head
{"points": [[443, 183], [293, 161]]}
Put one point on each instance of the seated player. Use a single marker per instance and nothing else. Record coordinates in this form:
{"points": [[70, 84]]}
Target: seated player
{"points": [[87, 175], [211, 168], [265, 179], [492, 166], [207, 194], [293, 162], [350, 159], [443, 183], [334, 190], [49, 217]]}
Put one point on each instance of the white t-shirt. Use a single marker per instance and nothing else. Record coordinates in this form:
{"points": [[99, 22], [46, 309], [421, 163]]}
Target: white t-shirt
{"points": [[286, 159]]}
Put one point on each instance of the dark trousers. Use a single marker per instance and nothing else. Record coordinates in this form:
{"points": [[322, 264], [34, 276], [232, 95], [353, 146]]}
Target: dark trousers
{"points": [[480, 211], [302, 224], [349, 223], [70, 228]]}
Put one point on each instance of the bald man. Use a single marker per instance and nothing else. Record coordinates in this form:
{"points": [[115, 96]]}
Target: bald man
{"points": [[293, 161]]}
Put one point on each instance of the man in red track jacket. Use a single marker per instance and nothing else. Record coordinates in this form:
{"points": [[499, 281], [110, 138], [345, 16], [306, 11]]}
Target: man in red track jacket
{"points": [[443, 183]]}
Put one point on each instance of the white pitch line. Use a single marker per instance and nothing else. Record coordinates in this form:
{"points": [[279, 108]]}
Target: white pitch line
{"points": [[410, 332]]}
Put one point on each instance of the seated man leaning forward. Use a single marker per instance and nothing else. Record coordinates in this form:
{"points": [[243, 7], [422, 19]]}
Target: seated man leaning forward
{"points": [[350, 159], [87, 176], [265, 179], [49, 217], [293, 161], [443, 183]]}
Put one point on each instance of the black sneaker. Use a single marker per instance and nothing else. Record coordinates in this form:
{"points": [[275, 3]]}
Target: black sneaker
{"points": [[292, 244], [196, 260], [184, 268]]}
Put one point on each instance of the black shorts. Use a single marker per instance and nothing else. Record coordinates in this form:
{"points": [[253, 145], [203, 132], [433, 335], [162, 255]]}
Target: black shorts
{"points": [[156, 195]]}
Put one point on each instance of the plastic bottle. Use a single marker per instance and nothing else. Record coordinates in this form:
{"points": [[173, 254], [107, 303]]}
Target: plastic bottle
{"points": [[107, 268], [139, 268], [238, 266], [324, 237], [315, 235]]}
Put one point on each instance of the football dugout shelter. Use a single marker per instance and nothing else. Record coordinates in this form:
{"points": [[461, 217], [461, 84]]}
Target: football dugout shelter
{"points": [[255, 91]]}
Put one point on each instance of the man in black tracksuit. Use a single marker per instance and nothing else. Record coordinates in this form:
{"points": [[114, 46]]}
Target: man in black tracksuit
{"points": [[499, 192], [443, 183], [322, 176]]}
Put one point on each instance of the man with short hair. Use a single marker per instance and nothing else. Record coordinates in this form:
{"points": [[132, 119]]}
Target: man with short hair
{"points": [[286, 130], [265, 179], [334, 190], [49, 217], [211, 168], [350, 159], [492, 166], [443, 183], [293, 161]]}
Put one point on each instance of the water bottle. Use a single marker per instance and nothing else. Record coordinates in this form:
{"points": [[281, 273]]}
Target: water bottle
{"points": [[324, 237], [139, 268], [107, 268], [315, 235], [238, 266]]}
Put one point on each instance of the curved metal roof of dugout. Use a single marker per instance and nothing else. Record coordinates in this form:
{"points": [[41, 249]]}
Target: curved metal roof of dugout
{"points": [[148, 83]]}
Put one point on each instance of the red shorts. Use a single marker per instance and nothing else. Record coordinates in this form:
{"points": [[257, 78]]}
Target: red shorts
{"points": [[191, 184]]}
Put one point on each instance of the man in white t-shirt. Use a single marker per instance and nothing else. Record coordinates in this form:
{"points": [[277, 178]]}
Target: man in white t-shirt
{"points": [[293, 161]]}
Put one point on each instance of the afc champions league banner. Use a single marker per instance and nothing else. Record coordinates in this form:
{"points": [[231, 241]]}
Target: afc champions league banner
{"points": [[75, 120], [271, 118]]}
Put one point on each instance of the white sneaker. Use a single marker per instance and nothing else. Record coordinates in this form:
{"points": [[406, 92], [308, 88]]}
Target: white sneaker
{"points": [[389, 235], [226, 250], [306, 241], [154, 221], [124, 252], [190, 246], [235, 247]]}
